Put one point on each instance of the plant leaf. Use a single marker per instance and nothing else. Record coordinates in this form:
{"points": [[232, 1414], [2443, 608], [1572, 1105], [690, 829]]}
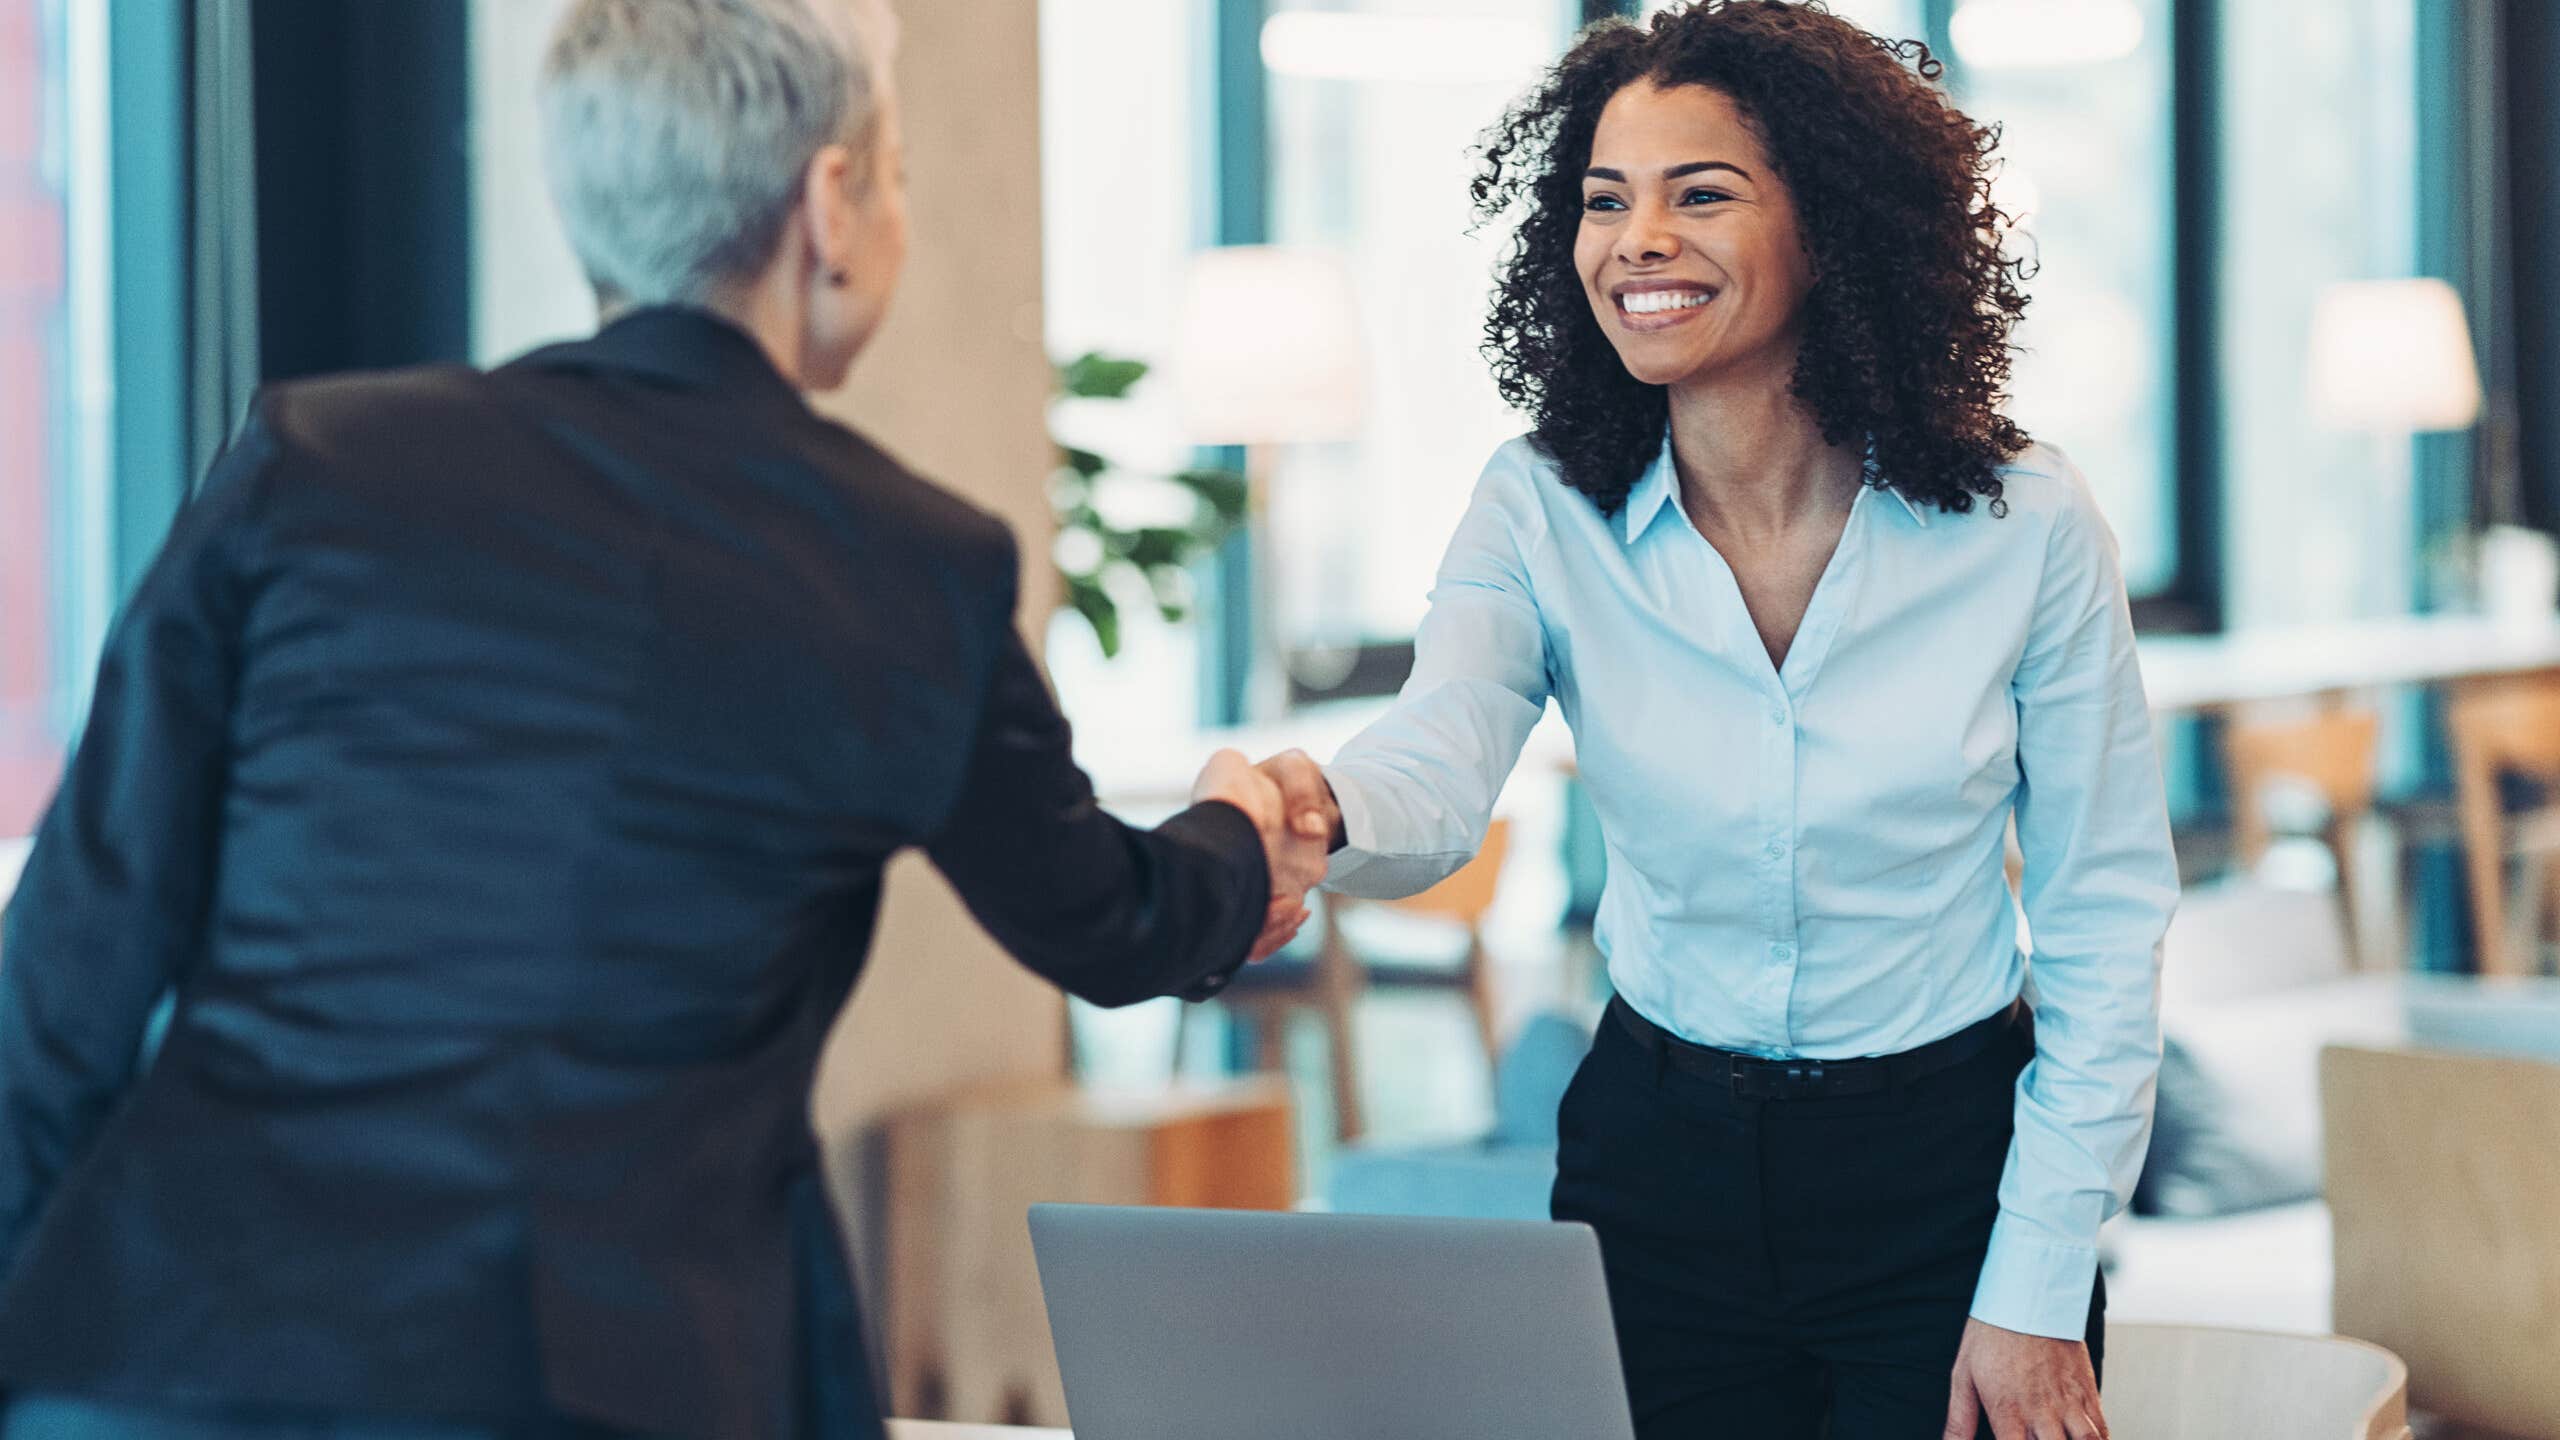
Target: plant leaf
{"points": [[1224, 490], [1095, 376], [1083, 462], [1157, 545], [1095, 604]]}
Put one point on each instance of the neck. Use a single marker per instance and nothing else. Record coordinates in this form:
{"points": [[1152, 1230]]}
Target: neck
{"points": [[1751, 458], [769, 310]]}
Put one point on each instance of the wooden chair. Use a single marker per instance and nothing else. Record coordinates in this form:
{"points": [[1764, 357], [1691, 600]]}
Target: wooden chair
{"points": [[2504, 729], [2197, 1382], [2332, 752], [1333, 981], [2446, 1225]]}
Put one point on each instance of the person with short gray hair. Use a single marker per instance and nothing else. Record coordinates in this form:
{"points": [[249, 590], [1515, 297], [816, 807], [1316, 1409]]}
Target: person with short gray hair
{"points": [[677, 137], [496, 772]]}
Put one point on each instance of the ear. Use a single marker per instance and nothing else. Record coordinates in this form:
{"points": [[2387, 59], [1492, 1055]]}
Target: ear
{"points": [[827, 208]]}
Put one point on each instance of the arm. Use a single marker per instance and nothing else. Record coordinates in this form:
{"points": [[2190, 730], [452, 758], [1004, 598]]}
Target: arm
{"points": [[2099, 886], [1111, 914], [1416, 789], [114, 900]]}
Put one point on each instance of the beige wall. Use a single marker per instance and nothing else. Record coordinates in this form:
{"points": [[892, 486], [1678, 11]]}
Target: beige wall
{"points": [[956, 385]]}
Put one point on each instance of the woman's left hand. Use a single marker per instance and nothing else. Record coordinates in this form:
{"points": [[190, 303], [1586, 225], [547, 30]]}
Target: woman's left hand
{"points": [[2033, 1388]]}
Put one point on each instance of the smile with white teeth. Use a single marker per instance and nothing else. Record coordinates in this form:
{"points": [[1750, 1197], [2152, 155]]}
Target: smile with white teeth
{"points": [[1654, 302]]}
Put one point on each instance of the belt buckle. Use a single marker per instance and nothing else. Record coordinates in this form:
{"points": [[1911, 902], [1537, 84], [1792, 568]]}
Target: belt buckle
{"points": [[1757, 1079]]}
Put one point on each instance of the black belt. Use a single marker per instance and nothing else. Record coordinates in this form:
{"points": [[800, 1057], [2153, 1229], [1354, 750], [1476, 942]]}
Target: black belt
{"points": [[1755, 1077]]}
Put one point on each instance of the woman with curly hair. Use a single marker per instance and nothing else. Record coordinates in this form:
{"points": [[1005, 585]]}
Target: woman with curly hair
{"points": [[1823, 622]]}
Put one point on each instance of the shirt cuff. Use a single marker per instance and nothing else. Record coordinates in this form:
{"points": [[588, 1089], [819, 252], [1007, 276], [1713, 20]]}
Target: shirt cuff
{"points": [[1359, 829], [2033, 1285]]}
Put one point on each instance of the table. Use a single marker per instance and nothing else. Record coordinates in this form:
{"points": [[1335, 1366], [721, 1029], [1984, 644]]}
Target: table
{"points": [[936, 1430], [2181, 675]]}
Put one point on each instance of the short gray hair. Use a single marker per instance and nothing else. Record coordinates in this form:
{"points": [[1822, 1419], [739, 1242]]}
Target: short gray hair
{"points": [[676, 133]]}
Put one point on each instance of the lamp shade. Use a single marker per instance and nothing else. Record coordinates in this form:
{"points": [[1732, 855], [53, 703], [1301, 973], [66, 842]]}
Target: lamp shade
{"points": [[1269, 349], [2392, 356], [2044, 34]]}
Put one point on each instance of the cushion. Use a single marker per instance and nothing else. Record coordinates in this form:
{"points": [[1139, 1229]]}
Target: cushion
{"points": [[1529, 1084], [2235, 939], [2238, 1124]]}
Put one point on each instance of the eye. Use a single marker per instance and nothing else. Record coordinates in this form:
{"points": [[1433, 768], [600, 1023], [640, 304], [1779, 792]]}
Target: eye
{"points": [[1703, 195], [1593, 203]]}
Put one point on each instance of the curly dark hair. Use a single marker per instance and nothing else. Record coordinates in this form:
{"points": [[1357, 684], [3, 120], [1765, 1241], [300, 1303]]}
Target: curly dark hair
{"points": [[1906, 328]]}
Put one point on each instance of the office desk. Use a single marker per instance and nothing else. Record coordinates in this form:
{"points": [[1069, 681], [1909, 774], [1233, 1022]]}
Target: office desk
{"points": [[936, 1430]]}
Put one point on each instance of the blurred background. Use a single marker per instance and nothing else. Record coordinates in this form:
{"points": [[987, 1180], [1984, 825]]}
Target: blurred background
{"points": [[1195, 303]]}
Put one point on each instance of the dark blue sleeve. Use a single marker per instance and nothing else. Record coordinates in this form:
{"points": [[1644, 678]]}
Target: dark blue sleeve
{"points": [[113, 901], [1109, 913]]}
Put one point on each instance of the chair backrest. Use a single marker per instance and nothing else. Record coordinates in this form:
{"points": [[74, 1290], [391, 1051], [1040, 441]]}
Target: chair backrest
{"points": [[2447, 1225], [2197, 1382], [1468, 894], [2332, 751], [2500, 728]]}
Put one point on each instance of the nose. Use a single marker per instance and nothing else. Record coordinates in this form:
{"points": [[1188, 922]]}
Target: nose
{"points": [[1647, 238]]}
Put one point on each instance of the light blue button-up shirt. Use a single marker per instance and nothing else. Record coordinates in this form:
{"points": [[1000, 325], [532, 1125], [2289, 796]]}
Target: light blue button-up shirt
{"points": [[1806, 860]]}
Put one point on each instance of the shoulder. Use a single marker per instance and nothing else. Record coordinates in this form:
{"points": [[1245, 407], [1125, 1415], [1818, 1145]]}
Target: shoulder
{"points": [[1523, 483], [2043, 487], [944, 524], [326, 414]]}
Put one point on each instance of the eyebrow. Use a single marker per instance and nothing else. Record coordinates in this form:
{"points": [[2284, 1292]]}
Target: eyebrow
{"points": [[1675, 172]]}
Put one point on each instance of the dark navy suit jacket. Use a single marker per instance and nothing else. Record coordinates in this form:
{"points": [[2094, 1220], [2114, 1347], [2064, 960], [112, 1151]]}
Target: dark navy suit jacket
{"points": [[499, 770]]}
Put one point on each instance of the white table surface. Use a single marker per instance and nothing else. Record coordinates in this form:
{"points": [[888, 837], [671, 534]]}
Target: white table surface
{"points": [[2200, 672], [936, 1430], [1152, 769]]}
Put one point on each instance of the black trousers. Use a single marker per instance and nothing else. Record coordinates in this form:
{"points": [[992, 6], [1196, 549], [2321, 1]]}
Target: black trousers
{"points": [[1788, 1268]]}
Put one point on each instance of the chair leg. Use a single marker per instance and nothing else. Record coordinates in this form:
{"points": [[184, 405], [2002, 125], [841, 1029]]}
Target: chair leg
{"points": [[2522, 952], [1181, 1040], [1337, 993], [1271, 1038], [2546, 924], [2342, 855], [1480, 999]]}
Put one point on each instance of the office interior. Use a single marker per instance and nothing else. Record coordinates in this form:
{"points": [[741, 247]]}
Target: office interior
{"points": [[1194, 304]]}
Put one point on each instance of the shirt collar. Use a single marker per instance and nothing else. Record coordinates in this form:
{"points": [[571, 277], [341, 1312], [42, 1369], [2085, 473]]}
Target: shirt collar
{"points": [[1653, 491]]}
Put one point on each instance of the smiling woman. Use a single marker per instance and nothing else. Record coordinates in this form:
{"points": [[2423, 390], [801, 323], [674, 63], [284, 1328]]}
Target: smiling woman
{"points": [[1871, 178], [1824, 624]]}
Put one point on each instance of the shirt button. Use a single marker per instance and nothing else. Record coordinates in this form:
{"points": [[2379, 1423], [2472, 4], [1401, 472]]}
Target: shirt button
{"points": [[1777, 717], [1777, 849], [1783, 952]]}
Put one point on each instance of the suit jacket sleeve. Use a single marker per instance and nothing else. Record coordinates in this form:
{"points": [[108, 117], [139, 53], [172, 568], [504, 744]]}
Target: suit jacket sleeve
{"points": [[114, 898], [1110, 913]]}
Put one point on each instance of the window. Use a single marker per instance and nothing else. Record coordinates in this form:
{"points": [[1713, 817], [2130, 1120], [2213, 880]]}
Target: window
{"points": [[2084, 167], [1375, 108], [56, 387], [1126, 114], [2319, 175]]}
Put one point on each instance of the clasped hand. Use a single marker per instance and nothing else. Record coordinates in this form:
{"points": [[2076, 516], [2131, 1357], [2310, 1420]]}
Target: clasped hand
{"points": [[1293, 807]]}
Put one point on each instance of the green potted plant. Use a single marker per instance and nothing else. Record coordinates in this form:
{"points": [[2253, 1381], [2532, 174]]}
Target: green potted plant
{"points": [[1093, 551]]}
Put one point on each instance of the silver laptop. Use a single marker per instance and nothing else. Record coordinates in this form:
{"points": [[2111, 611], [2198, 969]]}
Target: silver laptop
{"points": [[1235, 1325]]}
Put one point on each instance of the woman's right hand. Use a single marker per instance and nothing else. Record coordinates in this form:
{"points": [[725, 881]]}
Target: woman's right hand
{"points": [[1292, 832], [1304, 789]]}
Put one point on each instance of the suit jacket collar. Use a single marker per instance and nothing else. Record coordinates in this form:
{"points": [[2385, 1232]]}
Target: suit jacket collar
{"points": [[678, 346]]}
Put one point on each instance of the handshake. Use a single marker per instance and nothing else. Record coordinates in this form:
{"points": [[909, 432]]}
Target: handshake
{"points": [[1290, 802]]}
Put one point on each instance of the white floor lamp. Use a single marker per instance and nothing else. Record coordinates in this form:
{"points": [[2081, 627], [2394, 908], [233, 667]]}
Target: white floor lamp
{"points": [[1269, 355]]}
